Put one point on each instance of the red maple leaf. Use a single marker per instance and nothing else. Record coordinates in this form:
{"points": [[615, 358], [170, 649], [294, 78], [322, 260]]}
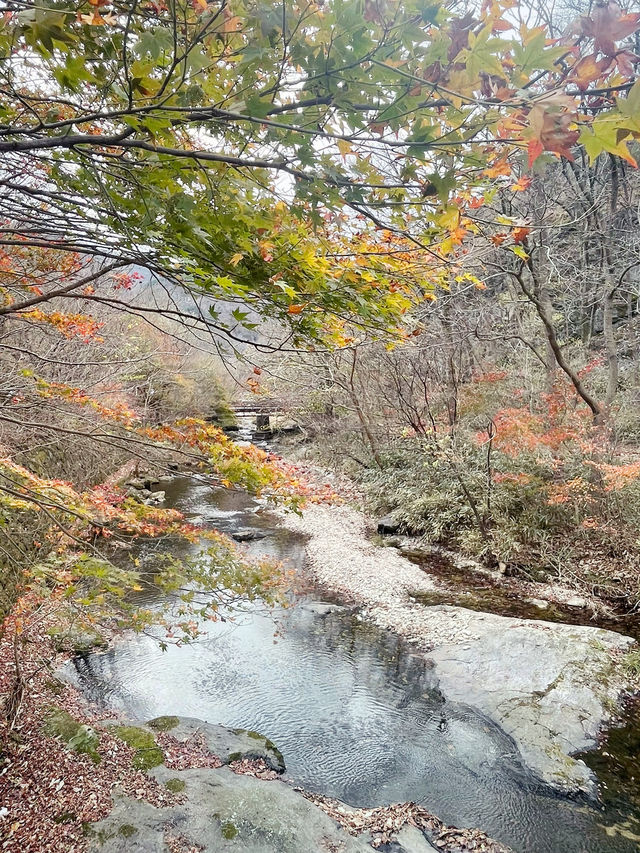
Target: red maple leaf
{"points": [[607, 25]]}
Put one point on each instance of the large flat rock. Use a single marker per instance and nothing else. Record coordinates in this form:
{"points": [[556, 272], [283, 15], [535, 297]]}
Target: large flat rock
{"points": [[549, 686], [223, 811], [219, 809]]}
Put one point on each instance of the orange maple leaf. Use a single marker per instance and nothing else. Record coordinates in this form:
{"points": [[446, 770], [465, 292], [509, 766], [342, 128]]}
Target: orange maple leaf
{"points": [[587, 70], [550, 127], [521, 184], [520, 234], [499, 168]]}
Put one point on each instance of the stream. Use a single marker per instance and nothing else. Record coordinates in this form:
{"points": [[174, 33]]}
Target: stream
{"points": [[356, 715]]}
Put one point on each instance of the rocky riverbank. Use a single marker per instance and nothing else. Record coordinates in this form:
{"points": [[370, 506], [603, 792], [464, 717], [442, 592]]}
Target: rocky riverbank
{"points": [[551, 687], [244, 804]]}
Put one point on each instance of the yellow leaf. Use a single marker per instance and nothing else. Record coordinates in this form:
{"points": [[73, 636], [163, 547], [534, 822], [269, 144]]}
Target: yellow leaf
{"points": [[235, 260], [344, 147]]}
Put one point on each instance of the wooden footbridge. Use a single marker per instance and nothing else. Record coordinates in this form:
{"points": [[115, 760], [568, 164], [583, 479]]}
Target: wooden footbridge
{"points": [[258, 406]]}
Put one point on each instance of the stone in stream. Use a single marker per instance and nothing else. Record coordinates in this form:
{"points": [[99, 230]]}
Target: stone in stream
{"points": [[135, 483], [548, 685], [227, 744], [248, 534]]}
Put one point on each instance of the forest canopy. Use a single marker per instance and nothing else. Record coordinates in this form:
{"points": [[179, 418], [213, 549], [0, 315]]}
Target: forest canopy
{"points": [[254, 152]]}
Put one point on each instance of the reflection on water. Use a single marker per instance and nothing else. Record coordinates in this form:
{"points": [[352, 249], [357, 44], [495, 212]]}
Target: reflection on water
{"points": [[355, 714]]}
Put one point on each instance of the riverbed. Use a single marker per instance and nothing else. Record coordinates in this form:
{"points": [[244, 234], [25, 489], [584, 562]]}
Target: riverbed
{"points": [[356, 714]]}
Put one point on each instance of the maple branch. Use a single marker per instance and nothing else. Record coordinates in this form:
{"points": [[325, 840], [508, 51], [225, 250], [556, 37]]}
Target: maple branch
{"points": [[61, 291]]}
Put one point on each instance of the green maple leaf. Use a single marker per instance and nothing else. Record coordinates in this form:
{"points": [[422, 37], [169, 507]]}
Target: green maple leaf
{"points": [[607, 133]]}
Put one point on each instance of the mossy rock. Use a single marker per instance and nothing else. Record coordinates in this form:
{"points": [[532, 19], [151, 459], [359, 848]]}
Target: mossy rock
{"points": [[265, 748], [127, 830], [147, 752], [164, 724], [175, 785], [76, 736], [75, 640], [229, 830]]}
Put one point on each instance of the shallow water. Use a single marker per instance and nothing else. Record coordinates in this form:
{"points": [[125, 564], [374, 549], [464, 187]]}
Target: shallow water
{"points": [[356, 715]]}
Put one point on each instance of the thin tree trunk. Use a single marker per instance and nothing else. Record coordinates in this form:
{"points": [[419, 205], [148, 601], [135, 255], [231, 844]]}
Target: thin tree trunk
{"points": [[610, 344], [563, 364]]}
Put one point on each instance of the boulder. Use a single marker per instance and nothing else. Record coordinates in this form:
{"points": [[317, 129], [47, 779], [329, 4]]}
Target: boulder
{"points": [[222, 811], [550, 686], [150, 482], [228, 744], [135, 483], [388, 525], [248, 534]]}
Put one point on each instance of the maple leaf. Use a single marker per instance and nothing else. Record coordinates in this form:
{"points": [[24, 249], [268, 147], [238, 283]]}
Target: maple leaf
{"points": [[607, 133], [521, 184], [608, 25], [94, 20], [344, 147], [520, 234], [295, 309], [499, 168], [587, 70], [626, 61], [232, 23], [535, 148], [550, 128], [457, 235]]}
